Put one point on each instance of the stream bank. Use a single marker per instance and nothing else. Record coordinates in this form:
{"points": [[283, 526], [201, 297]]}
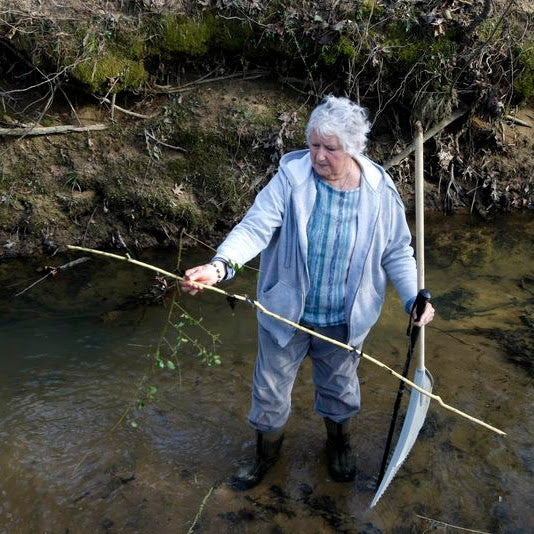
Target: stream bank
{"points": [[198, 165], [198, 101]]}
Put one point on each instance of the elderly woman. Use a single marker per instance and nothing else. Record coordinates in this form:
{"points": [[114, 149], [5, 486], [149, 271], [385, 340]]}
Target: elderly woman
{"points": [[330, 227]]}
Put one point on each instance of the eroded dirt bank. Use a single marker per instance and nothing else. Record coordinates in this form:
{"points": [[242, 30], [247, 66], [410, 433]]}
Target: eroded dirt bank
{"points": [[195, 165], [196, 101], [198, 162]]}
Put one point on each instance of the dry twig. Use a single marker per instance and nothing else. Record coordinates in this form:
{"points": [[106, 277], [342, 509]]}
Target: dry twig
{"points": [[200, 510], [125, 111], [436, 522]]}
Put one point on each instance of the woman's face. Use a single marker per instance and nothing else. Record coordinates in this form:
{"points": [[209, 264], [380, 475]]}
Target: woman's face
{"points": [[329, 160]]}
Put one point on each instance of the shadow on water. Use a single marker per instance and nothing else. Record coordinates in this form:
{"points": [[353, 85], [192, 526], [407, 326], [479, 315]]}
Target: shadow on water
{"points": [[82, 454]]}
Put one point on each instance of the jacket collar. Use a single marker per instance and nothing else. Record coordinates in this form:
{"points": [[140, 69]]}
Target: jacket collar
{"points": [[371, 172], [298, 168]]}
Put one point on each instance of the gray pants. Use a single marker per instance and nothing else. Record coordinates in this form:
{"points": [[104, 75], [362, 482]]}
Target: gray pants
{"points": [[337, 389]]}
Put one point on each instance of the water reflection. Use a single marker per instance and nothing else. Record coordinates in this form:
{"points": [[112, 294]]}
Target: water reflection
{"points": [[76, 359]]}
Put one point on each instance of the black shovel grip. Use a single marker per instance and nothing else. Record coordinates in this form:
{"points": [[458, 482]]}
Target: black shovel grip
{"points": [[420, 302], [419, 305]]}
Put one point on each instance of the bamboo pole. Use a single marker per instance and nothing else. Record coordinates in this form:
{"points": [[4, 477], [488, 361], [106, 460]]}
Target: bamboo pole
{"points": [[256, 304]]}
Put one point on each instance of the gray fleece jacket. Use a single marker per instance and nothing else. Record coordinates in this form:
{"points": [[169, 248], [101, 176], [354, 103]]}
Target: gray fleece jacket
{"points": [[275, 226]]}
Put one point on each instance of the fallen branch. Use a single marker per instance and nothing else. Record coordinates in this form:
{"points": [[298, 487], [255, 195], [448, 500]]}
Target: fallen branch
{"points": [[428, 134], [255, 304], [71, 264], [125, 111], [517, 121], [48, 130]]}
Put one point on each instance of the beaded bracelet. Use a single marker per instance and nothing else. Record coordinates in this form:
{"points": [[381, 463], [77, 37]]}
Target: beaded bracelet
{"points": [[220, 275]]}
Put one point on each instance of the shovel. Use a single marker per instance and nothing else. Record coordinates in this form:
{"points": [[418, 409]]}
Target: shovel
{"points": [[418, 404]]}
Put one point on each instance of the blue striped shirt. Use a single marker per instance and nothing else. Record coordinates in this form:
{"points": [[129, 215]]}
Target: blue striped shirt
{"points": [[331, 236]]}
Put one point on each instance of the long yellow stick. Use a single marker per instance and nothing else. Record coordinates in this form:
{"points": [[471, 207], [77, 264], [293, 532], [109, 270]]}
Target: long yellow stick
{"points": [[264, 310]]}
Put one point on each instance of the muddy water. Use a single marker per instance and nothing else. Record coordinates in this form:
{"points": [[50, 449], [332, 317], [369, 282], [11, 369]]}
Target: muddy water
{"points": [[77, 353]]}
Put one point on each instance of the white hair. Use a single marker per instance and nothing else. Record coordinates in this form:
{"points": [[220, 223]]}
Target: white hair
{"points": [[339, 116]]}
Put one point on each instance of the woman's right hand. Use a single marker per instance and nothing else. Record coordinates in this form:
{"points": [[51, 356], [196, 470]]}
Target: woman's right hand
{"points": [[208, 274]]}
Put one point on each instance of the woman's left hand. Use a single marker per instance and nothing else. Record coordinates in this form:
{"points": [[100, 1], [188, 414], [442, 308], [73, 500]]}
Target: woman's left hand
{"points": [[426, 316]]}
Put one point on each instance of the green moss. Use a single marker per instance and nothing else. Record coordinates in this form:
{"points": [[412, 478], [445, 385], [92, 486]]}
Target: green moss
{"points": [[182, 35], [78, 204], [210, 168], [98, 73], [342, 50], [524, 81], [489, 28], [207, 155], [369, 9], [47, 121], [144, 205], [131, 44], [249, 121], [27, 176], [411, 47], [98, 56], [265, 120]]}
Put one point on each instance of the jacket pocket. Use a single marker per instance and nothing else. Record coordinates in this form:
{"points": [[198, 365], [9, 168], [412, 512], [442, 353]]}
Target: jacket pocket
{"points": [[282, 299], [366, 309]]}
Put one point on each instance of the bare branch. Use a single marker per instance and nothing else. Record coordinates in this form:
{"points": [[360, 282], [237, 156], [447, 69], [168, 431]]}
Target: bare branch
{"points": [[517, 121], [126, 111], [429, 134], [47, 130]]}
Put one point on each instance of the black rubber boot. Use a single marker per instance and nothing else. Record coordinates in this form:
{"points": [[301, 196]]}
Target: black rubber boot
{"points": [[267, 451], [341, 460]]}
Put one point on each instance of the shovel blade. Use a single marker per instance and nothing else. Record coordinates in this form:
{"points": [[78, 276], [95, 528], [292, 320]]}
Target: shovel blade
{"points": [[415, 417]]}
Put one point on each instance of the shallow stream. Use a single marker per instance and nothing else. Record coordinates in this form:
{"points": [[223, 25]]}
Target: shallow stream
{"points": [[96, 437]]}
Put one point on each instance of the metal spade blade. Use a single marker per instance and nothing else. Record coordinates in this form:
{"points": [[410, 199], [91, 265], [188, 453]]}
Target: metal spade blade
{"points": [[415, 417]]}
